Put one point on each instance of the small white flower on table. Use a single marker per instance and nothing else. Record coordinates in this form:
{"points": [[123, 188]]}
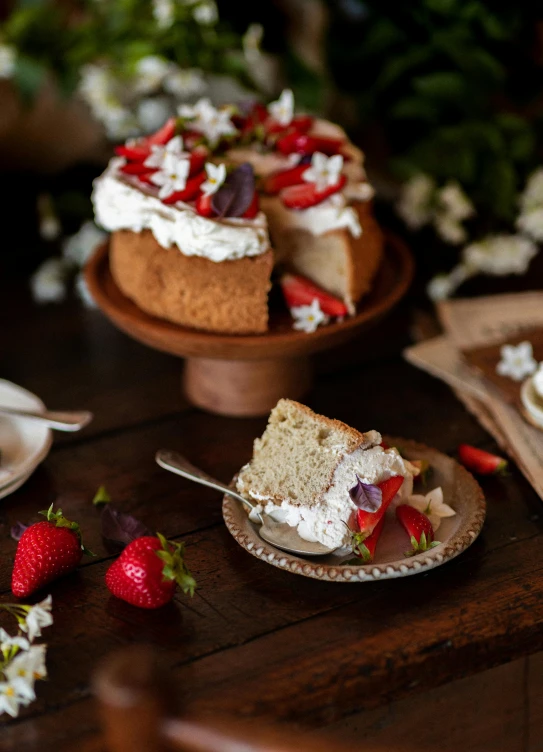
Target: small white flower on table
{"points": [[8, 641], [517, 362], [172, 176], [432, 505], [7, 61], [208, 120], [309, 317], [324, 171], [9, 699], [38, 616], [283, 109], [216, 175]]}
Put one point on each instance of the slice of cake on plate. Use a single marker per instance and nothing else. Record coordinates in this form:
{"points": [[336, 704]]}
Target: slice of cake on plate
{"points": [[305, 465], [203, 210]]}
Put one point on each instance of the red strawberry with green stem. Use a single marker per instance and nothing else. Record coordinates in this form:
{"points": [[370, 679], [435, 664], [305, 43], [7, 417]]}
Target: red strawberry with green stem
{"points": [[418, 527], [46, 550], [148, 571], [364, 547], [299, 291], [481, 462], [368, 521]]}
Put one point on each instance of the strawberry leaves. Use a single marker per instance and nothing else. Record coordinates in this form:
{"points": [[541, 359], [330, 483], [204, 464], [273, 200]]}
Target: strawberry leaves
{"points": [[172, 554]]}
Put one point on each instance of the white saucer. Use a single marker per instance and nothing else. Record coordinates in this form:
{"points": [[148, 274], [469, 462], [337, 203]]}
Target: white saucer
{"points": [[23, 443]]}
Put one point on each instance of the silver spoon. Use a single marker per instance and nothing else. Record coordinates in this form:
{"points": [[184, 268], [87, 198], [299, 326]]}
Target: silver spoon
{"points": [[61, 421], [279, 534]]}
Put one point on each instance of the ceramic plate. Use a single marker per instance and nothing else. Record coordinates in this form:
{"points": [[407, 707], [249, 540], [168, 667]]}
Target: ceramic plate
{"points": [[23, 443], [461, 491]]}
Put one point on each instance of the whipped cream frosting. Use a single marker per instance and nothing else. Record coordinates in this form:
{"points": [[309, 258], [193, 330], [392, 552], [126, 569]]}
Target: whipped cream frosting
{"points": [[326, 521], [120, 204]]}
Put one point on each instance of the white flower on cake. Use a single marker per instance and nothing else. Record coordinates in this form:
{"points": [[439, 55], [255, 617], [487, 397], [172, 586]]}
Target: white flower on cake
{"points": [[324, 171], [216, 175], [38, 616], [500, 255], [517, 362], [530, 219], [206, 13], [309, 317], [150, 72], [283, 109], [7, 61], [172, 175], [208, 120], [159, 154], [432, 505], [184, 82]]}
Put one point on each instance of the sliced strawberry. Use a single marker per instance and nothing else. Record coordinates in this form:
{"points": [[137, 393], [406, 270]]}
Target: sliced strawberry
{"points": [[204, 206], [367, 521], [136, 152], [299, 124], [135, 168], [305, 195], [145, 177], [481, 462], [198, 159], [418, 527], [192, 139], [275, 182], [252, 209], [300, 291], [302, 143], [163, 135], [189, 192], [366, 550]]}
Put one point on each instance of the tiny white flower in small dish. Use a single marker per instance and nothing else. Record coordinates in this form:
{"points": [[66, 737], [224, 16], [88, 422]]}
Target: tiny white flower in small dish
{"points": [[432, 505], [10, 700], [283, 109], [38, 616], [309, 317], [216, 175], [517, 362], [78, 248], [48, 283], [208, 120], [8, 57], [8, 641], [324, 171], [172, 175]]}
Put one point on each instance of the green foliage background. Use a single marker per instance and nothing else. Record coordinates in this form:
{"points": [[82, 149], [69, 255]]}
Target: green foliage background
{"points": [[454, 85]]}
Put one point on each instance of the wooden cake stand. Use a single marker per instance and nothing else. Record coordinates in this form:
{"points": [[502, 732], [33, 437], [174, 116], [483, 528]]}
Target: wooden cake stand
{"points": [[245, 375]]}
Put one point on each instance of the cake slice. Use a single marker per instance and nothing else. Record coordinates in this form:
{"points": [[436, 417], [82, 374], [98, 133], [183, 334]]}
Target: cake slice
{"points": [[304, 465]]}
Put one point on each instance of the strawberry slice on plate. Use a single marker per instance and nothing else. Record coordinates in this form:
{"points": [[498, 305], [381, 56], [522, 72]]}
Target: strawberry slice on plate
{"points": [[418, 527], [364, 548], [299, 291], [306, 195], [368, 521], [189, 192], [276, 181], [481, 462]]}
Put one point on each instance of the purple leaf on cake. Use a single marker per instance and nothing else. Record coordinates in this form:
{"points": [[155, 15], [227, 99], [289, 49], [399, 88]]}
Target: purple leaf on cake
{"points": [[235, 196], [366, 496], [17, 530], [121, 528]]}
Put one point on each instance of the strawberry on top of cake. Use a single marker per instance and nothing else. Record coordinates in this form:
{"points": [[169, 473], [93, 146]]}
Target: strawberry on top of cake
{"points": [[203, 210]]}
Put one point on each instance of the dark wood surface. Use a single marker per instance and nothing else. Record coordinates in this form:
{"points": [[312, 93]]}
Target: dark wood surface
{"points": [[254, 642]]}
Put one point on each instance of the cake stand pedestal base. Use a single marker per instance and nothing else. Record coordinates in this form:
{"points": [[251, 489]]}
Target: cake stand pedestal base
{"points": [[245, 388]]}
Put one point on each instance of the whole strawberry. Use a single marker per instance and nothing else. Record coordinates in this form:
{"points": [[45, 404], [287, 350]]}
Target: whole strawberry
{"points": [[418, 527], [46, 550], [148, 571]]}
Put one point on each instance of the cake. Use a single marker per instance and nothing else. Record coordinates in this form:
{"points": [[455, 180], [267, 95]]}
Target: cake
{"points": [[202, 213], [305, 465]]}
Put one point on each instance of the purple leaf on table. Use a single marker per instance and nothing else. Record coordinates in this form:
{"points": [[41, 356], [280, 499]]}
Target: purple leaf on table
{"points": [[120, 528], [17, 530]]}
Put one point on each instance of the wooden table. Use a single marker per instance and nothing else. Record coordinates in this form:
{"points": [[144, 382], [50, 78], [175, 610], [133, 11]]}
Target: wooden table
{"points": [[256, 641]]}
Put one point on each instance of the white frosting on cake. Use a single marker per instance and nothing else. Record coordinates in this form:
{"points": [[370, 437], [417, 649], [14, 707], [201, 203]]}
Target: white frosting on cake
{"points": [[326, 520], [121, 205]]}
